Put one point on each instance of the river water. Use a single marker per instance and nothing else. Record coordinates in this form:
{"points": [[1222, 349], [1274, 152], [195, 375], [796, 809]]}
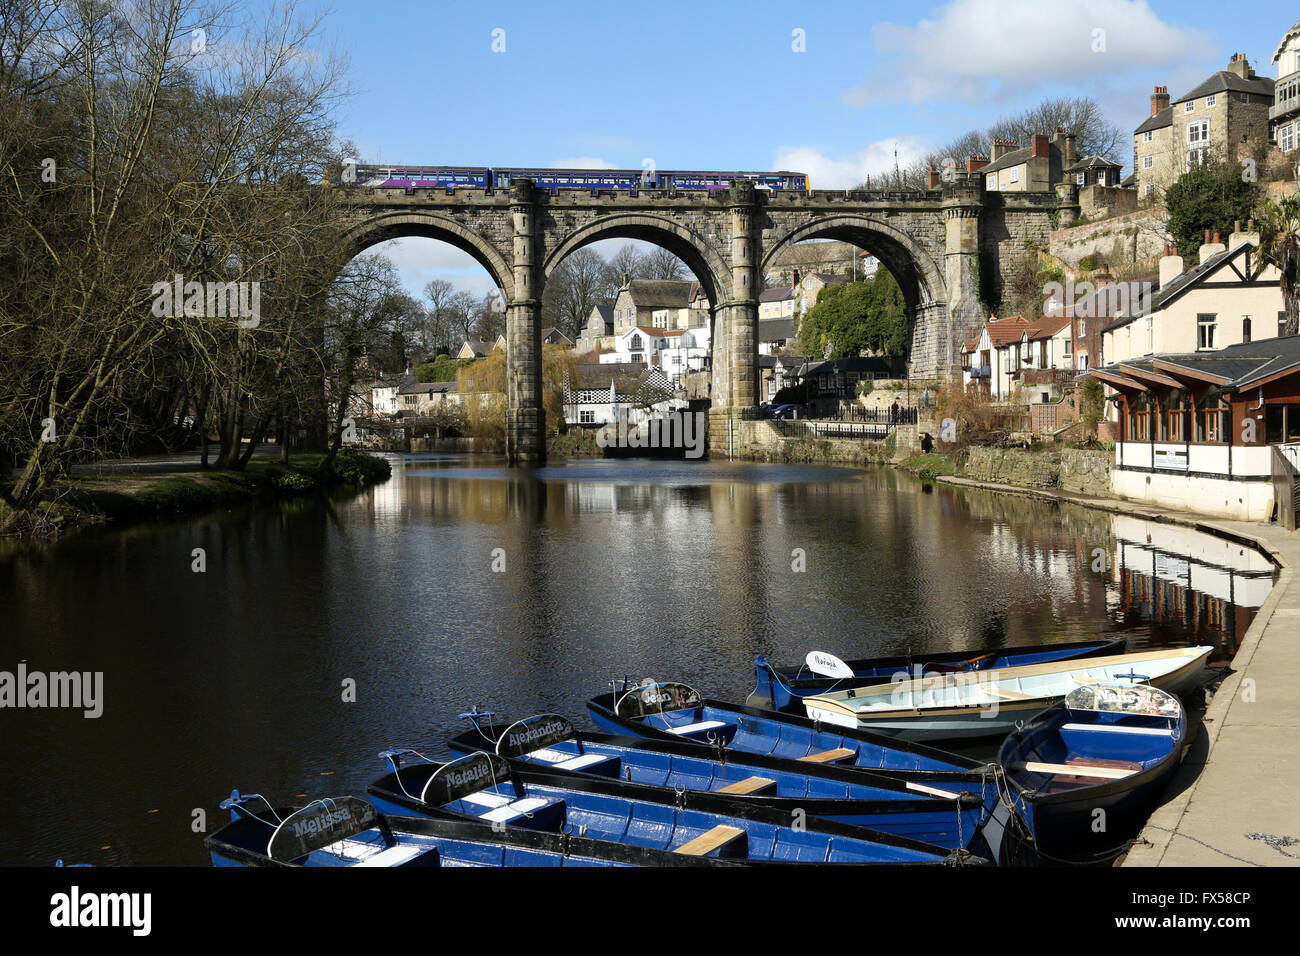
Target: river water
{"points": [[462, 582]]}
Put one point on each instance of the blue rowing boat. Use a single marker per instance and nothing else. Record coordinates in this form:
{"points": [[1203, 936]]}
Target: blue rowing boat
{"points": [[783, 688], [1085, 774], [550, 743], [675, 711], [484, 787], [346, 831]]}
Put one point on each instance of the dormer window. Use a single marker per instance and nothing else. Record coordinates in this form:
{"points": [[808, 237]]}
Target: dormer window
{"points": [[635, 344]]}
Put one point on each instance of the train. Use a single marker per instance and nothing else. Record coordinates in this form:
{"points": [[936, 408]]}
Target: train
{"points": [[375, 176]]}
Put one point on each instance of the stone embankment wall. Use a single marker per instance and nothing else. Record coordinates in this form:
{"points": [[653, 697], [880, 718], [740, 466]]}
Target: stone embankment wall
{"points": [[1078, 470], [760, 440], [1114, 242]]}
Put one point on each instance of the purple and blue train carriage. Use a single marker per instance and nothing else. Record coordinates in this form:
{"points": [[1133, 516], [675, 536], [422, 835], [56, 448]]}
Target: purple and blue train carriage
{"points": [[375, 176]]}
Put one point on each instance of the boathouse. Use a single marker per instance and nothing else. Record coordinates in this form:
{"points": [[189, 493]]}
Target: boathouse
{"points": [[1212, 432]]}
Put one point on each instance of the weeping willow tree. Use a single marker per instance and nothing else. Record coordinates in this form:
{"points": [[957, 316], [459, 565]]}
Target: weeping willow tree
{"points": [[1280, 245], [482, 387]]}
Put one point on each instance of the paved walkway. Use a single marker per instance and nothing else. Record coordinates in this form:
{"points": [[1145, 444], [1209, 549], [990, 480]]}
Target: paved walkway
{"points": [[1234, 801]]}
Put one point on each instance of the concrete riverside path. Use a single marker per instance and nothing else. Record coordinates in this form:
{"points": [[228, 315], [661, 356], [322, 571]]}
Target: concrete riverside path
{"points": [[1233, 802]]}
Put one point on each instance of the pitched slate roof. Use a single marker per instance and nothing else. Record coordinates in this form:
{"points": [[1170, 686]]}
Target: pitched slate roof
{"points": [[1007, 160], [478, 347], [1091, 161], [1184, 283], [777, 294], [660, 293], [773, 330], [1242, 365], [428, 388], [1225, 81], [1162, 119]]}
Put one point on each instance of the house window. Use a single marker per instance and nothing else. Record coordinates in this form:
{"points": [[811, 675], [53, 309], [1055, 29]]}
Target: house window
{"points": [[1148, 162], [1211, 418], [1151, 187], [1211, 100], [1281, 323], [1146, 137], [1189, 106], [1282, 424], [1066, 348], [635, 344], [992, 183], [1083, 327], [586, 417], [1286, 137], [1245, 329], [1205, 331], [1015, 174], [1079, 179], [1245, 97]]}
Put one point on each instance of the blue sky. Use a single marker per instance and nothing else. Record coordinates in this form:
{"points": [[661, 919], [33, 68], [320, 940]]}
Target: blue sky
{"points": [[725, 86]]}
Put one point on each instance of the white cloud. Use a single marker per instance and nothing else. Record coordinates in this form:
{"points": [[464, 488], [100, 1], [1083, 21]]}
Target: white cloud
{"points": [[581, 162], [846, 171], [977, 49]]}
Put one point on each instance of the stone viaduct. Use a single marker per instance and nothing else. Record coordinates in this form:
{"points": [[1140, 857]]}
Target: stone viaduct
{"points": [[943, 246]]}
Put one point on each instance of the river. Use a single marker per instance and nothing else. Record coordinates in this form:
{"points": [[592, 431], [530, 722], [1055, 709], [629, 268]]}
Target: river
{"points": [[462, 582]]}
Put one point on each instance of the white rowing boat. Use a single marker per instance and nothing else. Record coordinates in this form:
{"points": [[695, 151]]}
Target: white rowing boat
{"points": [[989, 703]]}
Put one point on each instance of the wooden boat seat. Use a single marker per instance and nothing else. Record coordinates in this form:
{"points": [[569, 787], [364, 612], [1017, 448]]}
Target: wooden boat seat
{"points": [[1119, 729], [720, 837], [1081, 769], [750, 785], [608, 764], [393, 856], [535, 812], [829, 756], [1011, 694], [687, 730]]}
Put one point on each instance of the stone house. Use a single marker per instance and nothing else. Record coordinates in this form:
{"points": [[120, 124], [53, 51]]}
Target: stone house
{"points": [[1226, 116], [639, 299], [599, 330], [420, 398], [1037, 167]]}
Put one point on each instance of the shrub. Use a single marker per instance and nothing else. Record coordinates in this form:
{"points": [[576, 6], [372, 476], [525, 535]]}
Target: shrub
{"points": [[356, 467]]}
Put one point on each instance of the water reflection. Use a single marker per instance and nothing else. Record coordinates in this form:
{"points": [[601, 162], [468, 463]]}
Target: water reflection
{"points": [[233, 678]]}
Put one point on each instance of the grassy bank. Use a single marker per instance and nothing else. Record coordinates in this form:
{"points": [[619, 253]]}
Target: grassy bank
{"points": [[136, 496], [928, 467]]}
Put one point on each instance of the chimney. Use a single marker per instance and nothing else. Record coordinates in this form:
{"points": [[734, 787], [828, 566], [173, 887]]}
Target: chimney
{"points": [[1171, 266], [794, 278], [1039, 146], [1071, 157], [934, 178], [1211, 247], [1159, 99], [1001, 147], [1238, 236], [974, 162], [1240, 66]]}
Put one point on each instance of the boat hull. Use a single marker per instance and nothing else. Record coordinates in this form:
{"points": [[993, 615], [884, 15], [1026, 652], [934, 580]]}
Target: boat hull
{"points": [[949, 820], [783, 688], [974, 721], [608, 810], [1070, 816]]}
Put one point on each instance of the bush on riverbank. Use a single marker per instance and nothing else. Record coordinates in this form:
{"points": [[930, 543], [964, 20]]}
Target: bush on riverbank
{"points": [[575, 443], [929, 467], [134, 496]]}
